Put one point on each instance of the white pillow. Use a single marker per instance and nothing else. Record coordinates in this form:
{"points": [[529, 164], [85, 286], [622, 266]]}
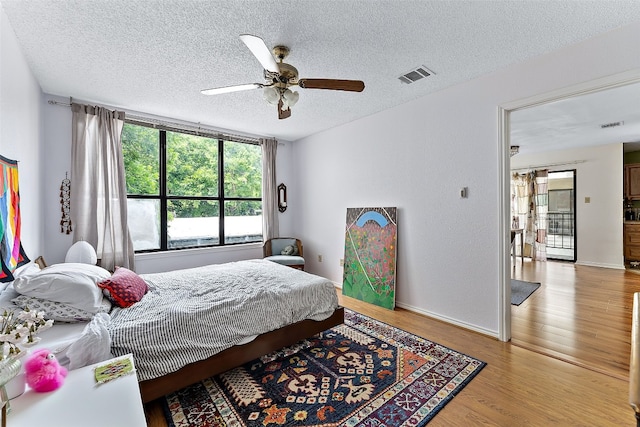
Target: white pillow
{"points": [[8, 293], [70, 283], [58, 311], [24, 270], [29, 268]]}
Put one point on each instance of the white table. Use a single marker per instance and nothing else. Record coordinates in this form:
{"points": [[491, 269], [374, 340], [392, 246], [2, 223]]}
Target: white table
{"points": [[81, 403]]}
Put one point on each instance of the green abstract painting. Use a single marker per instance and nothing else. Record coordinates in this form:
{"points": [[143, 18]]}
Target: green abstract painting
{"points": [[370, 256]]}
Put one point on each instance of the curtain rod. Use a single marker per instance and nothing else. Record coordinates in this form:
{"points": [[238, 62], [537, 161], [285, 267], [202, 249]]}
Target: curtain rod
{"points": [[549, 165], [194, 128]]}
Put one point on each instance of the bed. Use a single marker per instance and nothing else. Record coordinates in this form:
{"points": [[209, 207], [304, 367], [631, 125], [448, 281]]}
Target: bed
{"points": [[194, 323]]}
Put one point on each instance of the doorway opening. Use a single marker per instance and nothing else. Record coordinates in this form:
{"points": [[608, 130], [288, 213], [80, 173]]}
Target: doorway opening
{"points": [[561, 217], [504, 165]]}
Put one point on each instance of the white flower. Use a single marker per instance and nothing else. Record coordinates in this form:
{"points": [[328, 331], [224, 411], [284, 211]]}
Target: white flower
{"points": [[19, 329], [22, 330], [31, 341], [28, 316], [46, 325], [5, 337]]}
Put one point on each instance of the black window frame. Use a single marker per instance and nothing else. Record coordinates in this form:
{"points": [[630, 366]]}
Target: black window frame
{"points": [[163, 197]]}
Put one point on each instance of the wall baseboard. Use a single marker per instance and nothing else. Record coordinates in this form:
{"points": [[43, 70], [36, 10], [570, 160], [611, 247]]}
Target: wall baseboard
{"points": [[455, 322], [598, 264], [445, 319]]}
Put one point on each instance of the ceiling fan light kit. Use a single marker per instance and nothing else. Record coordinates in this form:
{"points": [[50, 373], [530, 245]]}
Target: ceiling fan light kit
{"points": [[289, 97], [271, 95], [280, 76]]}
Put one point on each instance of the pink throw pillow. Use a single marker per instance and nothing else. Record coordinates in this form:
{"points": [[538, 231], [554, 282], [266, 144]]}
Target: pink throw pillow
{"points": [[124, 288]]}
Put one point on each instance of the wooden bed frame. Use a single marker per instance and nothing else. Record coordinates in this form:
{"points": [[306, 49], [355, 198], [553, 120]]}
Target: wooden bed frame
{"points": [[236, 356]]}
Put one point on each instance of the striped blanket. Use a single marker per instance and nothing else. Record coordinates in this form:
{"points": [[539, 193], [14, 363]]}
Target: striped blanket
{"points": [[190, 315]]}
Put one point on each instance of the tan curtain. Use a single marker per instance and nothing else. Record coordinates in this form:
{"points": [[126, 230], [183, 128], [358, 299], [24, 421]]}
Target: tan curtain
{"points": [[529, 206], [98, 186], [270, 224]]}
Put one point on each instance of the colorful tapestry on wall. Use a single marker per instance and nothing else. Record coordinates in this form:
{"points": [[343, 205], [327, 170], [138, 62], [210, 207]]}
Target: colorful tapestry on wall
{"points": [[11, 253], [370, 256]]}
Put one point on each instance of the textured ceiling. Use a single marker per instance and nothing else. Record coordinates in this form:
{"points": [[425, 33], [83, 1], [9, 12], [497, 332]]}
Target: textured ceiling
{"points": [[154, 57], [577, 121]]}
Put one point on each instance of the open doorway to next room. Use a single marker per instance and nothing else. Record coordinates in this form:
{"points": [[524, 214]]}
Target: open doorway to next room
{"points": [[561, 218], [543, 209]]}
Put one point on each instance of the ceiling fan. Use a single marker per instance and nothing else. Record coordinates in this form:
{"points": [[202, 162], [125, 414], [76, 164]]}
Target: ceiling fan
{"points": [[280, 76]]}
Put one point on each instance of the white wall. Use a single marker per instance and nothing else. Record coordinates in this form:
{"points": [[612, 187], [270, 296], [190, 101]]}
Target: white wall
{"points": [[57, 151], [416, 157], [599, 176], [21, 134], [285, 174], [57, 125]]}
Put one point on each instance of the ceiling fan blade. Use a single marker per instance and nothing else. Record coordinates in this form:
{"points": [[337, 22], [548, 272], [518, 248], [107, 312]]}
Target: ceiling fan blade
{"points": [[262, 53], [228, 89], [332, 84], [283, 114]]}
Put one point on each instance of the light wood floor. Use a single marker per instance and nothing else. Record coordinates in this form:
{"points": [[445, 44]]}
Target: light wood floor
{"points": [[518, 387], [580, 314]]}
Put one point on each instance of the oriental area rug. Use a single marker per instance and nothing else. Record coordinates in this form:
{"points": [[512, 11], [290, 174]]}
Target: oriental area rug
{"points": [[361, 373]]}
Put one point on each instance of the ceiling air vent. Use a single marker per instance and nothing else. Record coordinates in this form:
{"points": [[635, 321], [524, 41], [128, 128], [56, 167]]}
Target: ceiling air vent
{"points": [[611, 125], [416, 74]]}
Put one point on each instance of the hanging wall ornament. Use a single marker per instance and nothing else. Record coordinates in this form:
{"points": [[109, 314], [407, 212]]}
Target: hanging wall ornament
{"points": [[65, 202]]}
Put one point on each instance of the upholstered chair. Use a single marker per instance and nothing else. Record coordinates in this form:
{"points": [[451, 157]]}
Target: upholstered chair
{"points": [[285, 251]]}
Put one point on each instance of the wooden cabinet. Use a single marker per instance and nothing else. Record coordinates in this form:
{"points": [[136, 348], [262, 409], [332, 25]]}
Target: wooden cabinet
{"points": [[631, 241], [632, 181]]}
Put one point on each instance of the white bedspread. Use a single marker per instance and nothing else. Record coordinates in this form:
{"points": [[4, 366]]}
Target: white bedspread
{"points": [[190, 315]]}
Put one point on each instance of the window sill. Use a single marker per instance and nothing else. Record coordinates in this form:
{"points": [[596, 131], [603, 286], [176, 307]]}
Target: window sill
{"points": [[184, 253]]}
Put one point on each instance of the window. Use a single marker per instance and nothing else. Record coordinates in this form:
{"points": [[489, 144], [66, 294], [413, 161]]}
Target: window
{"points": [[188, 191]]}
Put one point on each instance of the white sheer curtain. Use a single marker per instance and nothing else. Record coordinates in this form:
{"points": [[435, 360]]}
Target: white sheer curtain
{"points": [[541, 202], [270, 225], [98, 186]]}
